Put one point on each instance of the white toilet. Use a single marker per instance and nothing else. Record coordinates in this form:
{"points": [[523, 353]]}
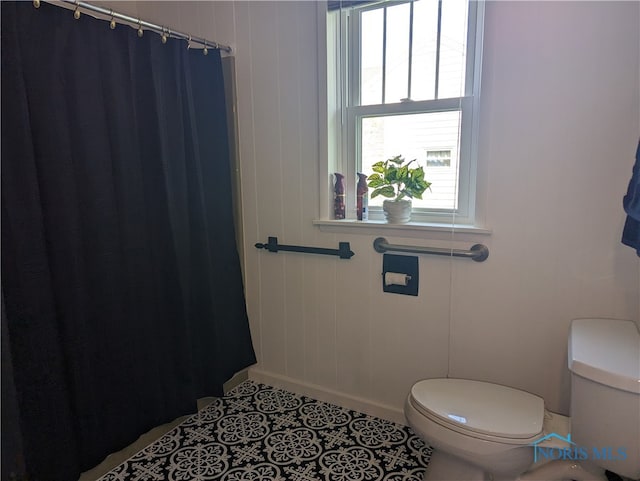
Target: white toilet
{"points": [[482, 431]]}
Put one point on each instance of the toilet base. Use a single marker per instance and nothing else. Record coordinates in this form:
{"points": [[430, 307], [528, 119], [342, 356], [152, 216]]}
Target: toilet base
{"points": [[563, 470], [444, 467]]}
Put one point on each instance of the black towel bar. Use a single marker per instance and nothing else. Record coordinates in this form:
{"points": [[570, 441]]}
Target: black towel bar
{"points": [[344, 251]]}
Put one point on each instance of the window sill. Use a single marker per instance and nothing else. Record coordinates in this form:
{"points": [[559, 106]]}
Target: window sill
{"points": [[411, 229]]}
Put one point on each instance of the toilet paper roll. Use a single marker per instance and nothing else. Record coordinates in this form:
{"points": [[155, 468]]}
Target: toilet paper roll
{"points": [[396, 279]]}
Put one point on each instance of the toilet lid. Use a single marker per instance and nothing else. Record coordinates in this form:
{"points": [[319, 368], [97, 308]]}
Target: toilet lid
{"points": [[481, 407]]}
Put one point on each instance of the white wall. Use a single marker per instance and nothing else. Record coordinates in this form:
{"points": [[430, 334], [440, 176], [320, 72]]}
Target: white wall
{"points": [[561, 116], [560, 123]]}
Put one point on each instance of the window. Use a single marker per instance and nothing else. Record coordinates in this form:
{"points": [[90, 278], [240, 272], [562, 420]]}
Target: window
{"points": [[439, 158], [404, 79]]}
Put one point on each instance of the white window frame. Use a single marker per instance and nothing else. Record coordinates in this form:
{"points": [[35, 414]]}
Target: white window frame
{"points": [[344, 116]]}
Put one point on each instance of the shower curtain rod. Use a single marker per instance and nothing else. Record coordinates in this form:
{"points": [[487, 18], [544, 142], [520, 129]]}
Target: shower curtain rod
{"points": [[162, 30]]}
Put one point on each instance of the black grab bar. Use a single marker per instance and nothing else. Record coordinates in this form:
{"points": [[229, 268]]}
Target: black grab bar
{"points": [[344, 251]]}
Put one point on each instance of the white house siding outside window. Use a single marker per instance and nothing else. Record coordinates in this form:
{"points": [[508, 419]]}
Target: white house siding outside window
{"points": [[404, 79]]}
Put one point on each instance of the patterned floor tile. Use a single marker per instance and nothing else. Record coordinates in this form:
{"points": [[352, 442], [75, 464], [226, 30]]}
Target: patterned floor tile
{"points": [[261, 433]]}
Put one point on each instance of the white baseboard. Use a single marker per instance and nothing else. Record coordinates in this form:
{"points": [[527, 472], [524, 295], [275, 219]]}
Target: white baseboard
{"points": [[328, 395]]}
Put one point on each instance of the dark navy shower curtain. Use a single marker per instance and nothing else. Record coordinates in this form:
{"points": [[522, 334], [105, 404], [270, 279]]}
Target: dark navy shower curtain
{"points": [[631, 204], [120, 277]]}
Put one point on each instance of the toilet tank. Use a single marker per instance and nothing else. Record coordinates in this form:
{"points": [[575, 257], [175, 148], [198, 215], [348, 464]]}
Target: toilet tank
{"points": [[604, 360]]}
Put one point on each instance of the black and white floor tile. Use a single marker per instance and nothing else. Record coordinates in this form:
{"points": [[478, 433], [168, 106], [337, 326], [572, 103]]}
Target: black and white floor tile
{"points": [[261, 433]]}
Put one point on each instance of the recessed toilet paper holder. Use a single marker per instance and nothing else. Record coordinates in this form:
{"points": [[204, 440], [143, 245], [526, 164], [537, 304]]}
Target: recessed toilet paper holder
{"points": [[400, 274]]}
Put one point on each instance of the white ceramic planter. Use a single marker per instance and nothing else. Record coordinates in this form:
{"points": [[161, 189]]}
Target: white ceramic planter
{"points": [[397, 211]]}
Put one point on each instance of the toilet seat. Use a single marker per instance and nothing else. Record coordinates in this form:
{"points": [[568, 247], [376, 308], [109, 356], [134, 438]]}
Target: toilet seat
{"points": [[480, 410]]}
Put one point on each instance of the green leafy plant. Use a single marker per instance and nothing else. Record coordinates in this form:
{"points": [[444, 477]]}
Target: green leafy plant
{"points": [[393, 178]]}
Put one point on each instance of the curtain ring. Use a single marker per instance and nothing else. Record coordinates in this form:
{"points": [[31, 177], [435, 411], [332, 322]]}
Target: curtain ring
{"points": [[189, 42], [163, 37], [112, 23], [140, 31], [76, 13], [205, 51], [36, 3]]}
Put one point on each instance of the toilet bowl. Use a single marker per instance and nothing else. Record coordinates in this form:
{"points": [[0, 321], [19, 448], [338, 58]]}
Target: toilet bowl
{"points": [[486, 425], [481, 430]]}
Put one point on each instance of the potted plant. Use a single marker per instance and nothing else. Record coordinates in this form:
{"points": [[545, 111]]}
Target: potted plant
{"points": [[396, 180]]}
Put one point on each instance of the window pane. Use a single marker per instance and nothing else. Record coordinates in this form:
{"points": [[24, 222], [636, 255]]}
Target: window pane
{"points": [[397, 68], [438, 158], [423, 67], [453, 42], [371, 60], [413, 136]]}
